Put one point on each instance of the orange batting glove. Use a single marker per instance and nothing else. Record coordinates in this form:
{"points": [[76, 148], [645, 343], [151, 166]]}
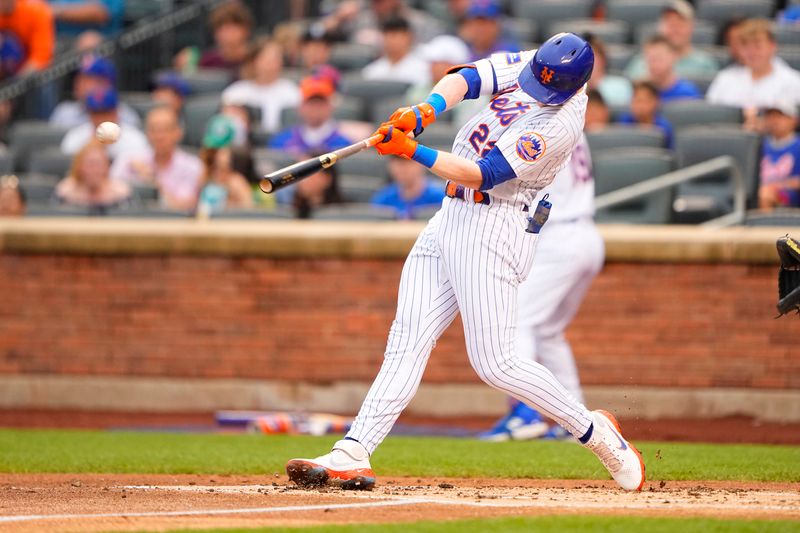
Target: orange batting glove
{"points": [[414, 118], [395, 142]]}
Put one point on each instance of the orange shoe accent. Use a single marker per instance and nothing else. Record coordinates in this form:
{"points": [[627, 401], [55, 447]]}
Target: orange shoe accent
{"points": [[638, 454]]}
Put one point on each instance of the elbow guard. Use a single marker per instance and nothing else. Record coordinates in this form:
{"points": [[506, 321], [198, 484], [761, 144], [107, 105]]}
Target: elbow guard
{"points": [[494, 169]]}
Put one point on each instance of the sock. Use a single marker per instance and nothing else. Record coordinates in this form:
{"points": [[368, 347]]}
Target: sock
{"points": [[588, 434]]}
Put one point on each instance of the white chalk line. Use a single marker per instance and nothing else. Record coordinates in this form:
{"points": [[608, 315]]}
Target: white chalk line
{"points": [[397, 501], [207, 512]]}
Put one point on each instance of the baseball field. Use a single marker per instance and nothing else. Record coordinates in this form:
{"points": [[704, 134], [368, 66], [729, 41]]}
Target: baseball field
{"points": [[56, 480]]}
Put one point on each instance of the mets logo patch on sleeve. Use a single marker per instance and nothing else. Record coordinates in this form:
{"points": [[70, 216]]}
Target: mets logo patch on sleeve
{"points": [[531, 147]]}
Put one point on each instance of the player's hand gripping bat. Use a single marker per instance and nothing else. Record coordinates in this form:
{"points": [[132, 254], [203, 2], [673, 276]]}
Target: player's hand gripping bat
{"points": [[298, 171]]}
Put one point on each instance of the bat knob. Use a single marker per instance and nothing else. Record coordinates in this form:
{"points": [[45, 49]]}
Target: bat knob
{"points": [[266, 185]]}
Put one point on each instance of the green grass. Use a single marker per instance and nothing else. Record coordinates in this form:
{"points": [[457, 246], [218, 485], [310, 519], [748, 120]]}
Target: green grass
{"points": [[554, 524], [122, 452]]}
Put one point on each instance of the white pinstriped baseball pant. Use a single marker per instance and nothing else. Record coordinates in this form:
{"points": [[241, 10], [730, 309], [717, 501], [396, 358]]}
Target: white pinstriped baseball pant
{"points": [[469, 259]]}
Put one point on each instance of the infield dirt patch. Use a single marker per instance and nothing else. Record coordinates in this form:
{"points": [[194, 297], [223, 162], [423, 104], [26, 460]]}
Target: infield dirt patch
{"points": [[108, 502]]}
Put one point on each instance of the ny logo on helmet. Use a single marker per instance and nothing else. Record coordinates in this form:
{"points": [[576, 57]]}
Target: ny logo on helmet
{"points": [[546, 75]]}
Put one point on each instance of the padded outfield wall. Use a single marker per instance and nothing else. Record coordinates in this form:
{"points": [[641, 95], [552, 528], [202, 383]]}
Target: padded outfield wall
{"points": [[175, 315]]}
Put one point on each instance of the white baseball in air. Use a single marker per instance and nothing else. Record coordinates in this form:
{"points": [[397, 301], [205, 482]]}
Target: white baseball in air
{"points": [[107, 132]]}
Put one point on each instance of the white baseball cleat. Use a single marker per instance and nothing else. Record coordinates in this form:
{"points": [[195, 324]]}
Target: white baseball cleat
{"points": [[621, 459], [346, 466]]}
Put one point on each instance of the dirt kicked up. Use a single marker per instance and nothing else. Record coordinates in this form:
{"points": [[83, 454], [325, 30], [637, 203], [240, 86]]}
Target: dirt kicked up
{"points": [[111, 502]]}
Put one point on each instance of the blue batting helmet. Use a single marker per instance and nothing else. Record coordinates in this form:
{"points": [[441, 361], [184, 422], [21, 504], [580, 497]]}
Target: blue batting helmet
{"points": [[559, 68]]}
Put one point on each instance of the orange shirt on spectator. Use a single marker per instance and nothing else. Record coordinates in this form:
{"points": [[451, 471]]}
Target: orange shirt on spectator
{"points": [[32, 22]]}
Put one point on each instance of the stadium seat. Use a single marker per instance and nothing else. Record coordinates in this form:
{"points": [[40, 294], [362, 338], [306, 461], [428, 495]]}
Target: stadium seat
{"points": [[713, 196], [522, 30], [702, 82], [146, 193], [720, 11], [196, 113], [36, 191], [46, 210], [146, 212], [439, 135], [360, 189], [609, 31], [790, 54], [382, 109], [350, 57], [625, 136], [205, 81], [546, 12], [615, 169], [279, 212], [704, 32], [370, 92], [619, 55], [141, 102], [6, 161], [366, 163], [684, 113], [425, 213], [354, 212], [29, 136], [787, 35], [635, 12], [777, 217], [49, 160]]}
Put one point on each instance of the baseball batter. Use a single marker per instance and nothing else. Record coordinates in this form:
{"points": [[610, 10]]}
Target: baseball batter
{"points": [[569, 254], [478, 248]]}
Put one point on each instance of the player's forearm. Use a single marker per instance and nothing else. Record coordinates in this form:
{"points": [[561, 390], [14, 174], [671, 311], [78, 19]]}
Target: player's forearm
{"points": [[452, 87], [457, 169]]}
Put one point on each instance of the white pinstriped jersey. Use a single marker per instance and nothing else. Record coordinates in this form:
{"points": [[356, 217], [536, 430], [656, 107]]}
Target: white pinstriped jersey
{"points": [[572, 190], [537, 141]]}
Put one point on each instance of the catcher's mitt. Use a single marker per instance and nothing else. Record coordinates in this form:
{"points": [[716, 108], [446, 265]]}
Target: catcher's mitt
{"points": [[789, 275]]}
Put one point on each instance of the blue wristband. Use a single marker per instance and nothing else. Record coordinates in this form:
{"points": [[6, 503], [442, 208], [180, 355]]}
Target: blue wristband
{"points": [[425, 156], [437, 102]]}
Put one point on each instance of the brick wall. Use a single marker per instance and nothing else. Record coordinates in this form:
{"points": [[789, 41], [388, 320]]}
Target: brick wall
{"points": [[323, 320]]}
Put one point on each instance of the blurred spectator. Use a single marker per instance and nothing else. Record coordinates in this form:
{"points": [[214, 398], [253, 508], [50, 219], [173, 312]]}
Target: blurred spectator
{"points": [[660, 57], [31, 21], [316, 190], [780, 163], [263, 86], [730, 36], [315, 49], [762, 80], [598, 115], [87, 41], [790, 15], [483, 32], [616, 90], [398, 61], [223, 187], [362, 24], [88, 183], [12, 199], [232, 25], [677, 25], [102, 107], [76, 16], [411, 189], [317, 131], [645, 110], [176, 173], [171, 90], [95, 73], [241, 118]]}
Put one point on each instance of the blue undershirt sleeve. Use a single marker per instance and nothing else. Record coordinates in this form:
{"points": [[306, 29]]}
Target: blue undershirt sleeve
{"points": [[494, 169]]}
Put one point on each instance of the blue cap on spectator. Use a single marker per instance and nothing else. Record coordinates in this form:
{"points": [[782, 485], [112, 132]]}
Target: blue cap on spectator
{"points": [[174, 81], [101, 100], [100, 67], [487, 9]]}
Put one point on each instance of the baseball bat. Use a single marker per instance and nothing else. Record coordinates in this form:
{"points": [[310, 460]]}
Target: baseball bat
{"points": [[298, 171]]}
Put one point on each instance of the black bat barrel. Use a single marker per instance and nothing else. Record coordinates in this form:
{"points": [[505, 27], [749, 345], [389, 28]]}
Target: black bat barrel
{"points": [[287, 175]]}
